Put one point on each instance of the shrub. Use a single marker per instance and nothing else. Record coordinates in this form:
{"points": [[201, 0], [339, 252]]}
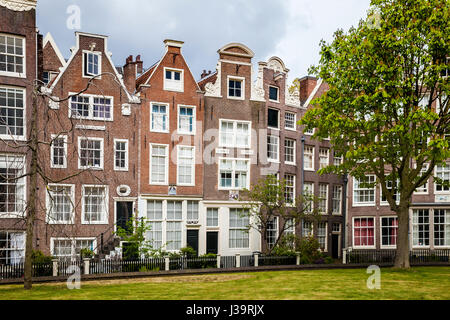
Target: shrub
{"points": [[86, 253], [188, 252], [38, 257]]}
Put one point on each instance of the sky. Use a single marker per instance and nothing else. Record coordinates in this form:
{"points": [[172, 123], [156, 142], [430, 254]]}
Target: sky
{"points": [[289, 29]]}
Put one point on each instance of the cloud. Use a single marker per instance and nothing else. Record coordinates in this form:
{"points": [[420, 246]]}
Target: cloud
{"points": [[289, 29]]}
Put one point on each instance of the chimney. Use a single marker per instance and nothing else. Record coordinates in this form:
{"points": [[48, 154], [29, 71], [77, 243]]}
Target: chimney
{"points": [[307, 85], [130, 71], [173, 46]]}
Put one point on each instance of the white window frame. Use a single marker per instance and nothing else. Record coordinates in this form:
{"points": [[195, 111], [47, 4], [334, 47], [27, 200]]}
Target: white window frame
{"points": [[294, 178], [311, 194], [72, 202], [208, 218], [325, 247], [194, 117], [20, 199], [233, 173], [172, 84], [294, 162], [374, 233], [278, 94], [17, 246], [106, 204], [238, 228], [381, 233], [235, 78], [436, 184], [87, 75], [167, 116], [321, 157], [278, 120], [397, 195], [166, 181], [295, 121], [430, 227], [277, 159], [116, 168], [308, 133], [364, 204], [321, 199], [102, 153], [335, 199], [425, 188], [91, 98], [234, 143], [446, 223], [23, 56], [73, 245], [52, 148], [192, 166], [312, 160], [160, 221], [24, 136], [275, 231]]}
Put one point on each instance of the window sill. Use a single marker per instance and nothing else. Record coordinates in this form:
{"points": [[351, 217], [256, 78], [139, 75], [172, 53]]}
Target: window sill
{"points": [[236, 98], [94, 223], [13, 74], [10, 137], [185, 133], [363, 204], [121, 169], [91, 168], [290, 163], [157, 131]]}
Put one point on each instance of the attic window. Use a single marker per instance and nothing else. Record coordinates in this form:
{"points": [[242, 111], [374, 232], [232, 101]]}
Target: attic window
{"points": [[273, 93], [173, 80], [91, 63]]}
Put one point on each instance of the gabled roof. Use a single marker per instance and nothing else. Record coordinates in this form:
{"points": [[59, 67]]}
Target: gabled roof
{"points": [[142, 79], [209, 78], [236, 49], [49, 39], [313, 93]]}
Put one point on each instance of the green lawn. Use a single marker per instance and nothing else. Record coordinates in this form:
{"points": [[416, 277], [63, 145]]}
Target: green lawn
{"points": [[418, 283]]}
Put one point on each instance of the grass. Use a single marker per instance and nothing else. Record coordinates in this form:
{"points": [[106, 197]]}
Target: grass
{"points": [[418, 283]]}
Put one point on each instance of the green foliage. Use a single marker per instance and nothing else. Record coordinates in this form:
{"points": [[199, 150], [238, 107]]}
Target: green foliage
{"points": [[38, 256], [86, 253], [134, 236], [188, 252]]}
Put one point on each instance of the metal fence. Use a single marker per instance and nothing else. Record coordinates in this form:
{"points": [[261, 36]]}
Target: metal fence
{"points": [[388, 256], [15, 271]]}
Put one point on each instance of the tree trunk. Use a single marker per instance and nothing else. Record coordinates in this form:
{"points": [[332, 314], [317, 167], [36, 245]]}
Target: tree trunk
{"points": [[30, 213], [402, 256]]}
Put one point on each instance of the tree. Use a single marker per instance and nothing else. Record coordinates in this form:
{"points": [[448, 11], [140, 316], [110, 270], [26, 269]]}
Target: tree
{"points": [[134, 235], [268, 199], [385, 79]]}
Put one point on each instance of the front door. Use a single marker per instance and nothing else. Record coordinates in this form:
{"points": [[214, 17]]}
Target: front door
{"points": [[124, 212], [335, 246], [212, 241], [192, 239]]}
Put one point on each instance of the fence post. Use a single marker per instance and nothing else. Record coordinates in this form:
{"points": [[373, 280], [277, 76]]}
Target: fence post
{"points": [[344, 256], [55, 267], [218, 261], [86, 265], [238, 260], [256, 259], [297, 260], [167, 261]]}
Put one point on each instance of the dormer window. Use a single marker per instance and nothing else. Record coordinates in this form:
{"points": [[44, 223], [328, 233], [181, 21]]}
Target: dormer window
{"points": [[91, 63], [236, 87], [273, 94], [173, 80]]}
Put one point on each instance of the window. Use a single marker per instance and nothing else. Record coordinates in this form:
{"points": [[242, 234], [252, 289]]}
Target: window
{"points": [[308, 132], [324, 158], [173, 80], [186, 120], [12, 185], [446, 72], [273, 145], [289, 192], [273, 118], [289, 151], [273, 94], [289, 121], [60, 204], [120, 155], [192, 211], [363, 232], [389, 229], [12, 113], [91, 107], [234, 134], [322, 235], [337, 159], [92, 63], [58, 151], [336, 227], [396, 194], [308, 163], [236, 88], [272, 232], [174, 225], [186, 166], [239, 228], [46, 77], [337, 199], [323, 198], [364, 195], [91, 153], [307, 230], [234, 174], [69, 249], [12, 56], [159, 118], [95, 205], [443, 173], [444, 101], [159, 163], [212, 217], [424, 188], [442, 227], [155, 218], [308, 193], [421, 227], [12, 247]]}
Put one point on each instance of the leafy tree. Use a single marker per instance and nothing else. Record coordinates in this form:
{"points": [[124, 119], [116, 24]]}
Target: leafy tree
{"points": [[267, 200], [385, 78], [134, 235]]}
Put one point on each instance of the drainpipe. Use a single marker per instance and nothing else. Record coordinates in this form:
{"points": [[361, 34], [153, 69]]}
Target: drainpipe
{"points": [[344, 212], [303, 166]]}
